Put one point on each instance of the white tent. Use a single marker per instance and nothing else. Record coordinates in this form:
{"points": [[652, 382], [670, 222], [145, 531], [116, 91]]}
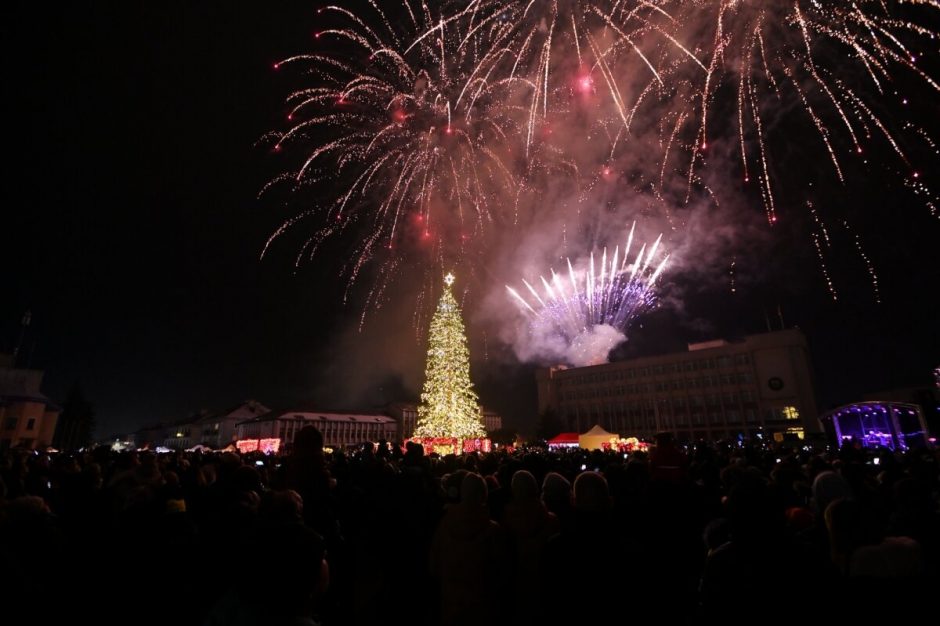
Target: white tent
{"points": [[594, 438]]}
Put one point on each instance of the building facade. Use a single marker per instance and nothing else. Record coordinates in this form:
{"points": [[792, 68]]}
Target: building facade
{"points": [[406, 415], [209, 428], [218, 430], [338, 429], [151, 435], [27, 417], [761, 385], [182, 434], [491, 420]]}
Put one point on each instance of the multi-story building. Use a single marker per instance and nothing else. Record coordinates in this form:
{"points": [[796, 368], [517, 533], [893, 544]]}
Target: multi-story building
{"points": [[491, 420], [151, 435], [407, 416], [338, 429], [717, 389], [27, 417], [208, 428], [217, 430], [183, 433]]}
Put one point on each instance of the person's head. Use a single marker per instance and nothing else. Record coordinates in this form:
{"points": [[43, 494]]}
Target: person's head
{"points": [[591, 492], [93, 475], [26, 509], [247, 478], [473, 491], [556, 491], [207, 475], [799, 518], [850, 525], [492, 483], [828, 487], [716, 533], [524, 487], [172, 479], [282, 507], [308, 441], [383, 449], [452, 483]]}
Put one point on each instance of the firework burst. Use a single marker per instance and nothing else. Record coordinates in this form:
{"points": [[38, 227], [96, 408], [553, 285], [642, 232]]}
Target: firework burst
{"points": [[588, 311], [733, 81], [831, 64], [427, 123], [405, 121]]}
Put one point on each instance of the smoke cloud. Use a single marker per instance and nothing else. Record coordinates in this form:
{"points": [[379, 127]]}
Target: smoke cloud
{"points": [[592, 346]]}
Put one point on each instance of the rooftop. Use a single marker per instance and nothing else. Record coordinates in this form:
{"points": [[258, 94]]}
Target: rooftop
{"points": [[321, 416]]}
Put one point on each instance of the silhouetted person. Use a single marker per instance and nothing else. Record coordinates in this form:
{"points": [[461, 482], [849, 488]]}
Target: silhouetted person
{"points": [[668, 463], [529, 526], [746, 576], [556, 495], [468, 558], [589, 559], [283, 576], [308, 475]]}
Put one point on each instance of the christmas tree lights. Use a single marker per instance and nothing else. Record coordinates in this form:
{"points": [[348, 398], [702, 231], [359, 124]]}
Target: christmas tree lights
{"points": [[449, 406]]}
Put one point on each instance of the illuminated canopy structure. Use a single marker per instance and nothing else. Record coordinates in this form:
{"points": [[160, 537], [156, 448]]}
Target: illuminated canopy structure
{"points": [[563, 440], [595, 438], [893, 425]]}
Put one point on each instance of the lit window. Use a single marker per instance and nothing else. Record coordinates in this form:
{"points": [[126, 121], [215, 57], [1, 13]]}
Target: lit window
{"points": [[796, 430], [791, 413]]}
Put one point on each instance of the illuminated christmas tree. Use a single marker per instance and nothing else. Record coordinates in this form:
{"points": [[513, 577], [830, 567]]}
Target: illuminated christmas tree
{"points": [[449, 406]]}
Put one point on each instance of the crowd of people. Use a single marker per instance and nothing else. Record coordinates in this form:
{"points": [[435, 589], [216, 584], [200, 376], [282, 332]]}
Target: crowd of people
{"points": [[721, 533]]}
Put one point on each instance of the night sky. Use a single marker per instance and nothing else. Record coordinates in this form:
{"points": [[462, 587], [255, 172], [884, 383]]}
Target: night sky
{"points": [[132, 232]]}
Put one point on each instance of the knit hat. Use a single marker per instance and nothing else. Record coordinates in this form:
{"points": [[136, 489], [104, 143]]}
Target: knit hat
{"points": [[473, 489], [524, 486], [555, 487], [591, 492], [827, 488]]}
